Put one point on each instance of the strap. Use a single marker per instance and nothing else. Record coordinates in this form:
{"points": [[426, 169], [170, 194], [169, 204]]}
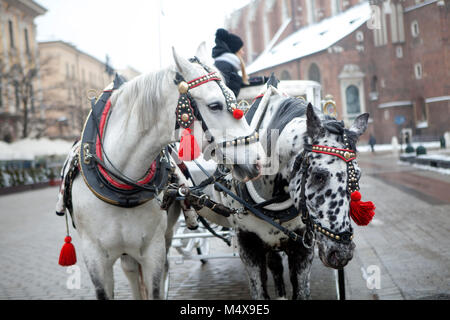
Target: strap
{"points": [[291, 234]]}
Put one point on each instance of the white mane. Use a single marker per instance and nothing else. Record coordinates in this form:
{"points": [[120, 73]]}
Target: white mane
{"points": [[140, 96]]}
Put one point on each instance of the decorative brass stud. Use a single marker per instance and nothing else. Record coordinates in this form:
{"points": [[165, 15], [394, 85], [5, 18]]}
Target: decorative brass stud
{"points": [[183, 87], [347, 155], [184, 117]]}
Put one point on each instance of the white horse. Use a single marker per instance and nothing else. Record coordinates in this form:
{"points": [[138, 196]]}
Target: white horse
{"points": [[324, 184], [141, 123]]}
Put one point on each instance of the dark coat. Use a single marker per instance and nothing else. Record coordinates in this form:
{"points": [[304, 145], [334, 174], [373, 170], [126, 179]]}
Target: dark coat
{"points": [[232, 79]]}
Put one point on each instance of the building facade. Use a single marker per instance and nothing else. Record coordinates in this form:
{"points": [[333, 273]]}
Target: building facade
{"points": [[71, 78], [20, 101], [388, 58]]}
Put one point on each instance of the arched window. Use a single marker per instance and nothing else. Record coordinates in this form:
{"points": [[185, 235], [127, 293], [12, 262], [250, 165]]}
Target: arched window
{"points": [[285, 75], [314, 73], [352, 99]]}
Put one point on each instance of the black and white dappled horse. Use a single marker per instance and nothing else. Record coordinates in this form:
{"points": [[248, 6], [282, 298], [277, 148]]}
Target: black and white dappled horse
{"points": [[140, 122], [306, 190]]}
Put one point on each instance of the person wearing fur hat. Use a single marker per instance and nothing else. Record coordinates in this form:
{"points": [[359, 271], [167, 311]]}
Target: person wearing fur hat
{"points": [[228, 58]]}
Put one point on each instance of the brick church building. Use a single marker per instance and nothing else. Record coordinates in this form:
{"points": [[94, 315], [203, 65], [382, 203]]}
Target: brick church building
{"points": [[388, 58]]}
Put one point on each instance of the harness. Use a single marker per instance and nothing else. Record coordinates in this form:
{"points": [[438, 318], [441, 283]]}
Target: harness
{"points": [[187, 110], [110, 185], [301, 164]]}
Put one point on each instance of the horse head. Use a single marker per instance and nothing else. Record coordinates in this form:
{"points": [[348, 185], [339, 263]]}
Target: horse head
{"points": [[320, 184], [216, 121]]}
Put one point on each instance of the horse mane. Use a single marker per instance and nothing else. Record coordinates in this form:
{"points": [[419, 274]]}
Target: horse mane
{"points": [[289, 109], [141, 96]]}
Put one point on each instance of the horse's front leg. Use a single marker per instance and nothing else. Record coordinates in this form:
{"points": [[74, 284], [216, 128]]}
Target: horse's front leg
{"points": [[300, 260], [253, 252], [131, 269], [275, 264], [153, 266], [100, 266]]}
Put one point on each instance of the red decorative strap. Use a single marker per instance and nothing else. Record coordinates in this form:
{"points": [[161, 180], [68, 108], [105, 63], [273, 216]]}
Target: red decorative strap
{"points": [[98, 150], [203, 79], [345, 154]]}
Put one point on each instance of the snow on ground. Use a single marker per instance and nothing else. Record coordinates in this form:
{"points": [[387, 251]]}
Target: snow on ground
{"points": [[28, 149]]}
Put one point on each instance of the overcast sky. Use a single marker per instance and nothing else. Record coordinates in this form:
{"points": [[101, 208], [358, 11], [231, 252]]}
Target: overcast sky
{"points": [[128, 30]]}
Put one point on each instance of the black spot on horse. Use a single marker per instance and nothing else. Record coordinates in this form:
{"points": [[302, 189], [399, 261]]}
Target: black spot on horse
{"points": [[337, 211], [333, 204], [341, 202], [320, 200], [328, 193]]}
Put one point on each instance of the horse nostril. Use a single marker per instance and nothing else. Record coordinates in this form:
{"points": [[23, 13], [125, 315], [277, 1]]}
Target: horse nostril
{"points": [[333, 258]]}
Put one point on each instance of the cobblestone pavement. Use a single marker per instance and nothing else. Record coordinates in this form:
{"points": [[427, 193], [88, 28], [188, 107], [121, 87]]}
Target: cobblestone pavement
{"points": [[407, 242]]}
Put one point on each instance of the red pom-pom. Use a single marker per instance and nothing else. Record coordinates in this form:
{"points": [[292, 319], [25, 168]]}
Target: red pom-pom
{"points": [[361, 212], [189, 149], [68, 256], [238, 113], [356, 196]]}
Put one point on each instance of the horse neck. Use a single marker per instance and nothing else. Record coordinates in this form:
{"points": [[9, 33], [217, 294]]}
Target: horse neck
{"points": [[141, 123]]}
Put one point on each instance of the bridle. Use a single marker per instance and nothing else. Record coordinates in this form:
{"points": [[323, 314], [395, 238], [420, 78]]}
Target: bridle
{"points": [[301, 165], [187, 110]]}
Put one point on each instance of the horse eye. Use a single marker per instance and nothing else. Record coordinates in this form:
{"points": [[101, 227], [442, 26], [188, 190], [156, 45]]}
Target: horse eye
{"points": [[215, 106]]}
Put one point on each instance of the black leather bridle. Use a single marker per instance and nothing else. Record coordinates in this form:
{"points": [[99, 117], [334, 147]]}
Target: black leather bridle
{"points": [[187, 110]]}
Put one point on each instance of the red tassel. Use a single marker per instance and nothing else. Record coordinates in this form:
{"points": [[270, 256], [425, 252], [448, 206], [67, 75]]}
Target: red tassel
{"points": [[67, 257], [189, 149], [238, 113], [361, 212]]}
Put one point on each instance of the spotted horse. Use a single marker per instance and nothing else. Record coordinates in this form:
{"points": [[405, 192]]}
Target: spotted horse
{"points": [[308, 195]]}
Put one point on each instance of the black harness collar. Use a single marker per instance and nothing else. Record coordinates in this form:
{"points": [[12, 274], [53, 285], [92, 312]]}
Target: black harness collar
{"points": [[97, 175]]}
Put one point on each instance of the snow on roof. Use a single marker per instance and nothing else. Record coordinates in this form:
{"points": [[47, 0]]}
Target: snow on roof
{"points": [[314, 38]]}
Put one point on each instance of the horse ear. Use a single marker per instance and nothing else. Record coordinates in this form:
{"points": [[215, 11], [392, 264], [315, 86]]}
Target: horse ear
{"points": [[313, 123], [202, 54], [359, 126], [182, 64]]}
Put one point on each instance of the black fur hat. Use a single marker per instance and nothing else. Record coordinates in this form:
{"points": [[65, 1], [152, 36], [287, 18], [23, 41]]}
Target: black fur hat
{"points": [[233, 42]]}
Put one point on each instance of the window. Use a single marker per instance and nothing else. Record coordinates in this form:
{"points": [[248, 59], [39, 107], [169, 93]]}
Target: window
{"points": [[378, 24], [11, 34], [285, 75], [418, 72], [352, 99], [311, 11], [1, 92], [314, 73], [415, 29], [67, 71], [27, 43], [335, 7]]}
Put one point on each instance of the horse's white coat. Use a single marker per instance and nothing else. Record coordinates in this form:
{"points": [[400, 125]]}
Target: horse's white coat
{"points": [[141, 122]]}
